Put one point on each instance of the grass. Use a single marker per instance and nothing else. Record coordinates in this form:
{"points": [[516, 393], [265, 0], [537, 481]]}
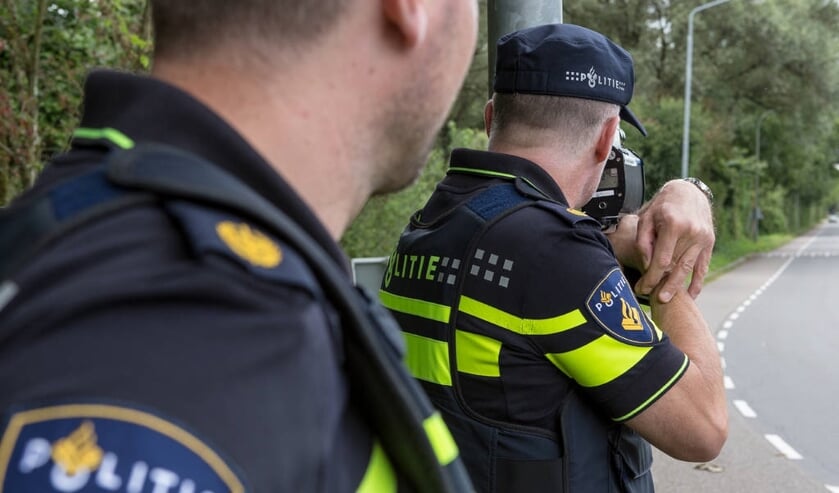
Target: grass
{"points": [[729, 252]]}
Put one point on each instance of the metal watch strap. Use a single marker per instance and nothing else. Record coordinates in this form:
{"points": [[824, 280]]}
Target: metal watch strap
{"points": [[702, 187]]}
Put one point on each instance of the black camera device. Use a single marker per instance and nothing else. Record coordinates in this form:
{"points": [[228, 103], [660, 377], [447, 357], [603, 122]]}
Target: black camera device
{"points": [[621, 188]]}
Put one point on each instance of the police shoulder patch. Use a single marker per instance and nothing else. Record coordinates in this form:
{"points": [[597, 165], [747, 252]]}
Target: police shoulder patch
{"points": [[614, 306], [101, 447]]}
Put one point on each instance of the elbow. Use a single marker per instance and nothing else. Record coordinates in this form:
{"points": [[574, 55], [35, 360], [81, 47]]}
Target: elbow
{"points": [[720, 435], [710, 448], [708, 445]]}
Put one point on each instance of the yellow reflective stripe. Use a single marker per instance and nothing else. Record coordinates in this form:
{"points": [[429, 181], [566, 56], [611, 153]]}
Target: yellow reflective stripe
{"points": [[477, 354], [379, 476], [655, 396], [112, 134], [413, 306], [524, 326], [494, 174], [441, 438], [598, 362], [482, 172], [428, 359]]}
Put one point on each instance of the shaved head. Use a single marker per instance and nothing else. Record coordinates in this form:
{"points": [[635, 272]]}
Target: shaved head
{"points": [[527, 119]]}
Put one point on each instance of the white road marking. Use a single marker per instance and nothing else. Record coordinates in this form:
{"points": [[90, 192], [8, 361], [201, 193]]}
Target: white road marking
{"points": [[728, 382], [832, 489], [727, 324], [723, 334], [744, 409], [720, 346], [783, 447]]}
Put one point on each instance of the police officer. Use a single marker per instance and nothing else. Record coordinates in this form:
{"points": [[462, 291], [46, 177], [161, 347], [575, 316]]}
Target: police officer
{"points": [[519, 320], [161, 327]]}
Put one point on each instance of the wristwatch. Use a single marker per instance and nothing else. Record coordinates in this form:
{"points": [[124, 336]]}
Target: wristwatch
{"points": [[702, 187]]}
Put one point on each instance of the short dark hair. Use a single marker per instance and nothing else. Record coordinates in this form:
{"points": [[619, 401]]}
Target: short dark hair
{"points": [[523, 117], [182, 27], [545, 112]]}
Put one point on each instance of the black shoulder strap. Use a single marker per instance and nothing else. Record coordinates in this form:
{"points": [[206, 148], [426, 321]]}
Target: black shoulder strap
{"points": [[411, 431], [29, 227]]}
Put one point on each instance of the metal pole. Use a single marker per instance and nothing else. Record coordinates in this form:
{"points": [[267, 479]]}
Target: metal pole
{"points": [[688, 80], [506, 16]]}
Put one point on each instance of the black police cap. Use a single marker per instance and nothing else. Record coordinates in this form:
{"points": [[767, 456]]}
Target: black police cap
{"points": [[566, 60]]}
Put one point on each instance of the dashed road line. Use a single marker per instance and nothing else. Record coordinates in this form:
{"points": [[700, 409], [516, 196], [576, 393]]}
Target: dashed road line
{"points": [[783, 447], [744, 408], [832, 489]]}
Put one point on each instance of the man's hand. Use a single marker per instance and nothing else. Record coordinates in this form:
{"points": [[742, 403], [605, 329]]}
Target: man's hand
{"points": [[675, 238]]}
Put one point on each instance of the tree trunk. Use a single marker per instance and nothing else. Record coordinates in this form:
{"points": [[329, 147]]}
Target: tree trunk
{"points": [[33, 75]]}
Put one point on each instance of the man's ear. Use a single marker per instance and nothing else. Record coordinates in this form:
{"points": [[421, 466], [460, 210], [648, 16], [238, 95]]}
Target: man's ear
{"points": [[409, 18], [607, 136], [488, 112]]}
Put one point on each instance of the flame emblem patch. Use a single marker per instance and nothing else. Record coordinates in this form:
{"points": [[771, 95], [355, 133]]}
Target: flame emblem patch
{"points": [[614, 306]]}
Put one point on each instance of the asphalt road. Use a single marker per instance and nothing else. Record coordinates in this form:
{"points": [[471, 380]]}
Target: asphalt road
{"points": [[776, 320]]}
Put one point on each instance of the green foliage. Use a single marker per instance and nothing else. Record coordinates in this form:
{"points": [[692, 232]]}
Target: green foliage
{"points": [[46, 48]]}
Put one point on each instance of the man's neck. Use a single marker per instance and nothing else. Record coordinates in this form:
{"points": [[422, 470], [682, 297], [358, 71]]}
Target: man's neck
{"points": [[306, 143], [571, 176]]}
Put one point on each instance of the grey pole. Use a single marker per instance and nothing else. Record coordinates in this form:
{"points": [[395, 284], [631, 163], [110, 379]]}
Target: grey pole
{"points": [[506, 16], [688, 80]]}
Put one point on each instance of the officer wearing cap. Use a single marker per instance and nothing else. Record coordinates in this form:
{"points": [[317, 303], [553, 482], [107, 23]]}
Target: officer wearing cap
{"points": [[175, 312], [519, 320]]}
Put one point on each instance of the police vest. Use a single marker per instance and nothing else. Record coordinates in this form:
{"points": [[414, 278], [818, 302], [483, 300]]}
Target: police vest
{"points": [[583, 452], [411, 432]]}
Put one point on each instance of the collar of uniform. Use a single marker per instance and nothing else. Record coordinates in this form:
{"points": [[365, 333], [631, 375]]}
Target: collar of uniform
{"points": [[149, 110], [496, 162]]}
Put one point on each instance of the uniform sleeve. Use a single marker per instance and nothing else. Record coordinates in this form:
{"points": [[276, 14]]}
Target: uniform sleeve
{"points": [[575, 308]]}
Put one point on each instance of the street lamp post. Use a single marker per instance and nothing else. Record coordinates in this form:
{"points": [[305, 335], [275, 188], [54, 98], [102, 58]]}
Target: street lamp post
{"points": [[688, 80]]}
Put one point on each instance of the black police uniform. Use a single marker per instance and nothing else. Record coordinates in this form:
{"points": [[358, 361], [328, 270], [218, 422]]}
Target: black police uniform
{"points": [[174, 345], [525, 332]]}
